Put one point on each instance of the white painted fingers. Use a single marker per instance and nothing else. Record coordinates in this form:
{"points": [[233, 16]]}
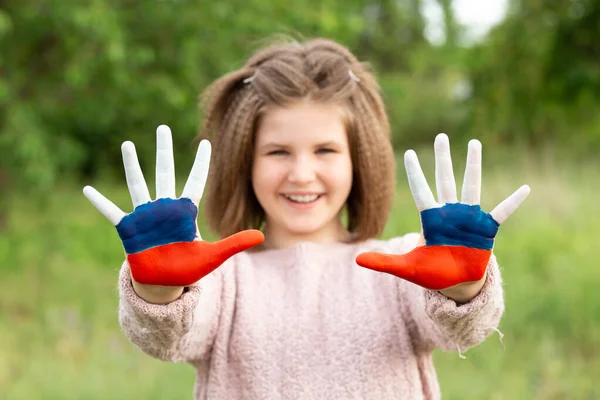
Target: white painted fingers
{"points": [[194, 187], [165, 163], [446, 185], [471, 189], [444, 174], [418, 184], [134, 176], [510, 204], [106, 207]]}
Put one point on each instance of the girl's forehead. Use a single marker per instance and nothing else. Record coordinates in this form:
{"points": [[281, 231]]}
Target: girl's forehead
{"points": [[306, 121]]}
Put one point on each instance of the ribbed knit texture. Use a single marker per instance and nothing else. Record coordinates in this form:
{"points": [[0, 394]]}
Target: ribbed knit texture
{"points": [[307, 323]]}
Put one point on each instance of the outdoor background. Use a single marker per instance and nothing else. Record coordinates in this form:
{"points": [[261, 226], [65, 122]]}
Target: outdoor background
{"points": [[77, 78]]}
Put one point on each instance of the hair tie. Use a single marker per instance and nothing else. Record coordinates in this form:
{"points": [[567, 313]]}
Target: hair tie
{"points": [[353, 76], [250, 79]]}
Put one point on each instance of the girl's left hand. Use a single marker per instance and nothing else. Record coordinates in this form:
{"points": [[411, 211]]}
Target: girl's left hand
{"points": [[459, 237]]}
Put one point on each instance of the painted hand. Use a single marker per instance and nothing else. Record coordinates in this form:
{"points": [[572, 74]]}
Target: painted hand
{"points": [[161, 237], [459, 237]]}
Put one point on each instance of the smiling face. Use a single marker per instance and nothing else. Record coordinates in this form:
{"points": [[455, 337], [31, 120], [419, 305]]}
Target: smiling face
{"points": [[302, 173]]}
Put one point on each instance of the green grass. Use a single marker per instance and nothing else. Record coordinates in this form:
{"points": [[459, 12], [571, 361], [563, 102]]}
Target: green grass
{"points": [[60, 339]]}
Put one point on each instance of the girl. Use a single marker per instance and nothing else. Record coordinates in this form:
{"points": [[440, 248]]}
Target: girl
{"points": [[295, 303]]}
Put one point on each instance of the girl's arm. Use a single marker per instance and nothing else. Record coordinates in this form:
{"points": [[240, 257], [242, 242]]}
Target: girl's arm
{"points": [[180, 331], [165, 253], [456, 299], [437, 321]]}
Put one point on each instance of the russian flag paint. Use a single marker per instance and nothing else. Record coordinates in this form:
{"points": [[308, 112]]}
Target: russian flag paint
{"points": [[459, 240], [161, 243]]}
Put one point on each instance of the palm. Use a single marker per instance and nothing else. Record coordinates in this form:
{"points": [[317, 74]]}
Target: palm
{"points": [[161, 237], [459, 236]]}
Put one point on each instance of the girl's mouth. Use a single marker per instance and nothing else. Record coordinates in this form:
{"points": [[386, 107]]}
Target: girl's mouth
{"points": [[302, 201]]}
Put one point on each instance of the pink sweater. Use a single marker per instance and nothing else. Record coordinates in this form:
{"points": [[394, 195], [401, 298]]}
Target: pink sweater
{"points": [[307, 322]]}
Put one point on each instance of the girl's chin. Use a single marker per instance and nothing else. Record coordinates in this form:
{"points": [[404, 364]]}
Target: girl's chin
{"points": [[303, 231]]}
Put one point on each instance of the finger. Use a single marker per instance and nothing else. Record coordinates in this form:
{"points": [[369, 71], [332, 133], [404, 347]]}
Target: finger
{"points": [[165, 164], [133, 174], [390, 263], [113, 213], [236, 243], [194, 187], [418, 184], [508, 206], [471, 190], [444, 175]]}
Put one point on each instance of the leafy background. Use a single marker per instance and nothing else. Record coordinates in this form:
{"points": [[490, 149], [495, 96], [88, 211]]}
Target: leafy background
{"points": [[78, 78]]}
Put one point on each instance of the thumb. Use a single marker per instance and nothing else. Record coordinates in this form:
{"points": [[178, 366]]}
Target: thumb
{"points": [[432, 267], [183, 263], [395, 264], [231, 245]]}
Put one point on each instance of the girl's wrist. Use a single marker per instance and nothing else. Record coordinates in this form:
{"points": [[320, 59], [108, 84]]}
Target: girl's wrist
{"points": [[464, 292], [157, 294]]}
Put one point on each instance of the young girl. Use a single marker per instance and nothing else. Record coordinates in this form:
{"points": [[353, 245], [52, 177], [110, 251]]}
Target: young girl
{"points": [[295, 303]]}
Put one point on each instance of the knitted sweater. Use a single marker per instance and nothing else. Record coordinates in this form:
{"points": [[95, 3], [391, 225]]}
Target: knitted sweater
{"points": [[306, 322]]}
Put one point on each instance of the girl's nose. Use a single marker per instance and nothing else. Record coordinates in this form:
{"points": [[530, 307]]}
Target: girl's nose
{"points": [[302, 171]]}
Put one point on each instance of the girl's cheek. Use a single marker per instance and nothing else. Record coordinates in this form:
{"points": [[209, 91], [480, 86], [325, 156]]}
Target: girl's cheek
{"points": [[273, 173]]}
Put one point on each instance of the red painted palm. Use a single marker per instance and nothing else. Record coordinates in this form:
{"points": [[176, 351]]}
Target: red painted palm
{"points": [[459, 237]]}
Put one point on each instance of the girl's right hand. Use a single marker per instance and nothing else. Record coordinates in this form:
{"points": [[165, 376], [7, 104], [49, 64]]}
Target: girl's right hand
{"points": [[161, 237]]}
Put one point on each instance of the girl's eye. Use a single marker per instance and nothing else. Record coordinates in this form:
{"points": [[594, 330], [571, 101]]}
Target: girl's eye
{"points": [[277, 153], [325, 150]]}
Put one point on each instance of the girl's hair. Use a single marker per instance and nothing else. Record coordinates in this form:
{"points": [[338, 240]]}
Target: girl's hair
{"points": [[319, 70]]}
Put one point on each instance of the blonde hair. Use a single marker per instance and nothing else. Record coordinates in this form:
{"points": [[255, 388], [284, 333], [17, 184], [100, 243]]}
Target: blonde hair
{"points": [[320, 70]]}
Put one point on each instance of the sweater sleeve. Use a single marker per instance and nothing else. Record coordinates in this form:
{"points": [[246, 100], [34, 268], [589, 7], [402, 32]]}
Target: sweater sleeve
{"points": [[436, 321], [181, 331]]}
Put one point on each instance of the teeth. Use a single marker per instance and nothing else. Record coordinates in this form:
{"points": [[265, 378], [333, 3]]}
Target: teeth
{"points": [[303, 199]]}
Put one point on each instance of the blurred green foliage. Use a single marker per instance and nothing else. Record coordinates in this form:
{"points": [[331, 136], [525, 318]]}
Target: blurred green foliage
{"points": [[77, 78], [537, 78]]}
